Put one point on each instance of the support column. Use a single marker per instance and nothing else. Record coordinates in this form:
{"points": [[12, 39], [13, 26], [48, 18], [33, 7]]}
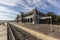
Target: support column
{"points": [[34, 20]]}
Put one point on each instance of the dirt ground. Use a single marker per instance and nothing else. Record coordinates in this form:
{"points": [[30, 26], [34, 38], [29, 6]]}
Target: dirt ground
{"points": [[3, 32]]}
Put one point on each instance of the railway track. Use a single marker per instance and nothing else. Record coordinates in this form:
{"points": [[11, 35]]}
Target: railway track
{"points": [[15, 33]]}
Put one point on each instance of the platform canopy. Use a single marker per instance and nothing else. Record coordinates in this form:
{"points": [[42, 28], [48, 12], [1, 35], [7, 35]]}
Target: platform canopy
{"points": [[49, 17]]}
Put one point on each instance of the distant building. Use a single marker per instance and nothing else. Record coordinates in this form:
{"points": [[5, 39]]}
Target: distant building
{"points": [[30, 17]]}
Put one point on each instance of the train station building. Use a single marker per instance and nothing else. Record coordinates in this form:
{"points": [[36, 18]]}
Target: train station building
{"points": [[30, 17]]}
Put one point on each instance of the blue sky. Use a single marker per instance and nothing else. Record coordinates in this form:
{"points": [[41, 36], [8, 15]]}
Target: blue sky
{"points": [[10, 8]]}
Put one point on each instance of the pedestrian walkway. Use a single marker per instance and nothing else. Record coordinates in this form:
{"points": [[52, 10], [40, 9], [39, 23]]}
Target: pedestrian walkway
{"points": [[3, 32]]}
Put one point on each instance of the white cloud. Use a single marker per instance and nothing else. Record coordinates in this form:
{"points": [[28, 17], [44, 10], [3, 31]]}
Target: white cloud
{"points": [[21, 2], [45, 6], [7, 12], [36, 1], [5, 18], [5, 9], [39, 4], [54, 3], [33, 3], [7, 2]]}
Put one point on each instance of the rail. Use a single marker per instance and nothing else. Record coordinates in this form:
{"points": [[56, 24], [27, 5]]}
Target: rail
{"points": [[34, 33], [10, 33]]}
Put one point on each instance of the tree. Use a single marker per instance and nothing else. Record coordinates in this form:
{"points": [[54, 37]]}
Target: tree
{"points": [[58, 19], [52, 15]]}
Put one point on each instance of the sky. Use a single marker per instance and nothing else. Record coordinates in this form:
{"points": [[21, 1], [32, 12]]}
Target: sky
{"points": [[10, 8]]}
